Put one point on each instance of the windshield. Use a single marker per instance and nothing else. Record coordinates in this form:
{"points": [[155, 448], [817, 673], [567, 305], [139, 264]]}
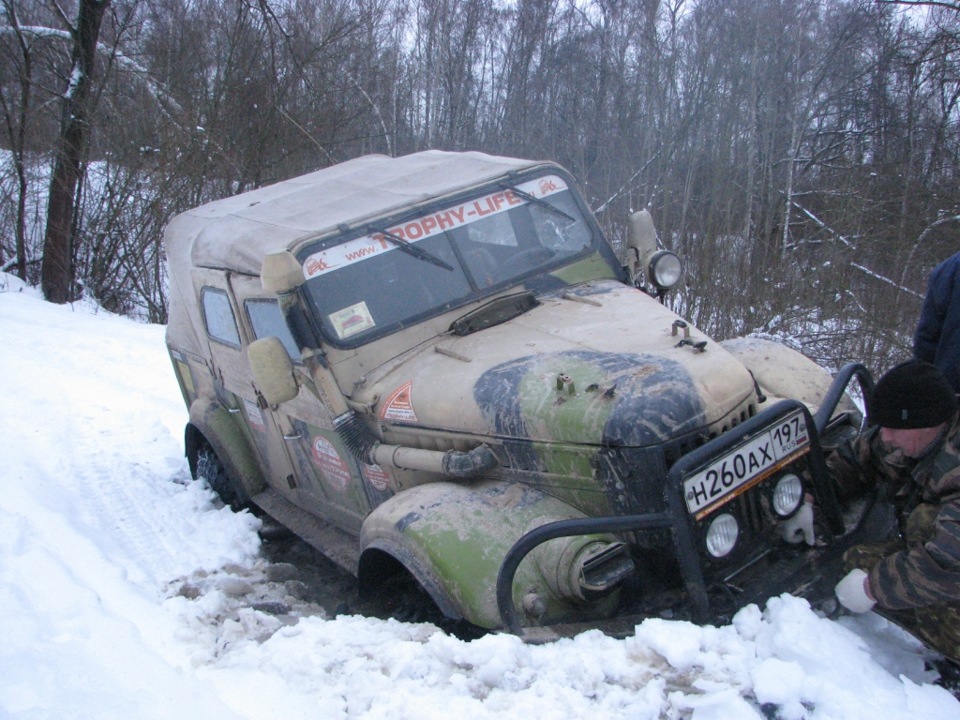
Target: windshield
{"points": [[398, 273]]}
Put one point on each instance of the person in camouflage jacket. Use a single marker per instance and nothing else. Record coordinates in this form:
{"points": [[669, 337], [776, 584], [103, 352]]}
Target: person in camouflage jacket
{"points": [[912, 451]]}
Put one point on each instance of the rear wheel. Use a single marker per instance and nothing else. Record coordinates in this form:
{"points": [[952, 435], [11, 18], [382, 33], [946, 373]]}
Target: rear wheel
{"points": [[209, 467]]}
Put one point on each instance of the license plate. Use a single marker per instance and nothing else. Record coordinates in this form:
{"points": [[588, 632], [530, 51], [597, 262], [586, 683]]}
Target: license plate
{"points": [[752, 461]]}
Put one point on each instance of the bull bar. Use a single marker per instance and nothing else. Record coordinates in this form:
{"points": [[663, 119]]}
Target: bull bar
{"points": [[677, 519]]}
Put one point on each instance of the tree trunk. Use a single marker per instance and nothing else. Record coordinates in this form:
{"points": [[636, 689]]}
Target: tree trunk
{"points": [[56, 270]]}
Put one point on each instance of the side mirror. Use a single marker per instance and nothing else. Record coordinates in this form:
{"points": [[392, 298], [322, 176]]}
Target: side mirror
{"points": [[661, 267], [272, 370]]}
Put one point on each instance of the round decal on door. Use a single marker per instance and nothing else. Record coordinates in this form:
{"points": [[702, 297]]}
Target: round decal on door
{"points": [[332, 466], [375, 475]]}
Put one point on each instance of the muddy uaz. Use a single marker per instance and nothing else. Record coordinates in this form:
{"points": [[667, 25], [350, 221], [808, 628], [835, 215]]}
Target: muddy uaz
{"points": [[435, 367]]}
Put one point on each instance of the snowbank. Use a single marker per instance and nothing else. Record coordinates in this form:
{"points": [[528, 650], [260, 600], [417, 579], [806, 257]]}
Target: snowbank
{"points": [[127, 592]]}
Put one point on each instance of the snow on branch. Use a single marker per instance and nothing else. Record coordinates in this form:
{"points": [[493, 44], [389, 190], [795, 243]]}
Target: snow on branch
{"points": [[936, 224], [821, 224], [887, 280], [166, 103], [623, 188], [37, 31], [862, 268]]}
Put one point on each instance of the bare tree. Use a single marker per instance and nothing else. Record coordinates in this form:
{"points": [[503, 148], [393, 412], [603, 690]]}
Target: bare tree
{"points": [[57, 268], [800, 154], [15, 117]]}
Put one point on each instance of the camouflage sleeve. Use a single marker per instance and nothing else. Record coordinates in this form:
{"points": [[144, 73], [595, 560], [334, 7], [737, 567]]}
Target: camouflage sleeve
{"points": [[925, 573], [855, 466]]}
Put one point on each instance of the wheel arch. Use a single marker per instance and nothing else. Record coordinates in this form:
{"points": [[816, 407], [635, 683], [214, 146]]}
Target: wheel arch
{"points": [[453, 537], [211, 423], [384, 559], [784, 373]]}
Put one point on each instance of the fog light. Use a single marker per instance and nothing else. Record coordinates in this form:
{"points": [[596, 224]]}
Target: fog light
{"points": [[722, 535], [665, 269], [787, 495]]}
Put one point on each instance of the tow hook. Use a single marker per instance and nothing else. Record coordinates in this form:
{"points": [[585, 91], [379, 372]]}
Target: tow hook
{"points": [[697, 346], [700, 346]]}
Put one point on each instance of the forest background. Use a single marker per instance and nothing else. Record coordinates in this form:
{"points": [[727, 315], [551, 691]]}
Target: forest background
{"points": [[802, 156]]}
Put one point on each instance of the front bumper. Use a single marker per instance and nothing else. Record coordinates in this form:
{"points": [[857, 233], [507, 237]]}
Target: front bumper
{"points": [[711, 590]]}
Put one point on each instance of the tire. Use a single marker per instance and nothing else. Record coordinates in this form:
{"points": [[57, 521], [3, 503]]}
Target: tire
{"points": [[209, 467], [402, 598]]}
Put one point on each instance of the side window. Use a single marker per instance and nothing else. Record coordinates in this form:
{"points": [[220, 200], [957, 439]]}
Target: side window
{"points": [[267, 321], [218, 315]]}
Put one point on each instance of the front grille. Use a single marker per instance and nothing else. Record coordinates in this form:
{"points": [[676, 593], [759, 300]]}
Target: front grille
{"points": [[749, 509], [676, 449]]}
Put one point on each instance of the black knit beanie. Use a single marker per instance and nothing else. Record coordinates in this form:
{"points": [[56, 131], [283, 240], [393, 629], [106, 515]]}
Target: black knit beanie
{"points": [[914, 394]]}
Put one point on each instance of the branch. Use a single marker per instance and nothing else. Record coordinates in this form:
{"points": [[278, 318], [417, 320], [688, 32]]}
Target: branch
{"points": [[623, 188], [306, 132], [63, 17], [821, 224], [376, 110], [922, 3], [922, 237], [842, 238], [122, 60], [890, 282]]}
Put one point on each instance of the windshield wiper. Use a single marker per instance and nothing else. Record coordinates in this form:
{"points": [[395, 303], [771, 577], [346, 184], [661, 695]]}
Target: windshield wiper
{"points": [[494, 312], [410, 248], [540, 202]]}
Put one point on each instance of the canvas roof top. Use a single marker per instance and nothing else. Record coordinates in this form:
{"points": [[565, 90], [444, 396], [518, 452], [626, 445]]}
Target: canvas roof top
{"points": [[235, 233]]}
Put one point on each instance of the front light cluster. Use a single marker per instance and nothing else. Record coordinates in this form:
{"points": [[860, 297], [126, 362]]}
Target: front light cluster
{"points": [[722, 535], [787, 495], [724, 530]]}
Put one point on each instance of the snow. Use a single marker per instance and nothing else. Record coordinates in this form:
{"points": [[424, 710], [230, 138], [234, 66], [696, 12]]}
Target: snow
{"points": [[126, 591]]}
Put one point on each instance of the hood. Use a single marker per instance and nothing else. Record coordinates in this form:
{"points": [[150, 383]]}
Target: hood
{"points": [[597, 365]]}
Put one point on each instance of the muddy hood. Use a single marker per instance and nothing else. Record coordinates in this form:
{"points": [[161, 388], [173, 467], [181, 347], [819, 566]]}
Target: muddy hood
{"points": [[598, 365]]}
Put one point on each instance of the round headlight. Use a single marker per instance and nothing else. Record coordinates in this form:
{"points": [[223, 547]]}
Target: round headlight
{"points": [[722, 535], [665, 269], [787, 495]]}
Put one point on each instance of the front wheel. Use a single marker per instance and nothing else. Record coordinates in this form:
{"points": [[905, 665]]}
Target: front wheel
{"points": [[209, 467]]}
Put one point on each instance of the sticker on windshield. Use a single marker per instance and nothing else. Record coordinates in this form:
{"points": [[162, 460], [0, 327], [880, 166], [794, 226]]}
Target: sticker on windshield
{"points": [[413, 231], [352, 320]]}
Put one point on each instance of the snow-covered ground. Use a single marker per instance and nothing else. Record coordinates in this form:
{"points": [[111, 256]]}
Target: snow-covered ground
{"points": [[126, 592]]}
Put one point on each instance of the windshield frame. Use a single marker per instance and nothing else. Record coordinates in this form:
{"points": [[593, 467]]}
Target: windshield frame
{"points": [[449, 242]]}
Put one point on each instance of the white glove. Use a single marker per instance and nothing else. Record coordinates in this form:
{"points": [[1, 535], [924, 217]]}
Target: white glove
{"points": [[852, 593], [799, 526]]}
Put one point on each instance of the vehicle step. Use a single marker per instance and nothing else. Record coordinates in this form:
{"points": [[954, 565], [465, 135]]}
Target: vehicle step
{"points": [[340, 547]]}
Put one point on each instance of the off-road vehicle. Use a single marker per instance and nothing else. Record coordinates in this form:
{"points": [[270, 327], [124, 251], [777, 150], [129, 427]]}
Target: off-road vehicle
{"points": [[436, 367]]}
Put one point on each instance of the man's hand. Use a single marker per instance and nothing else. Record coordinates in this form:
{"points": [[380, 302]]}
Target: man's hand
{"points": [[853, 592]]}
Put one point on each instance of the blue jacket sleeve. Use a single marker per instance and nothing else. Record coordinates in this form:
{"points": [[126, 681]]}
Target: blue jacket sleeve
{"points": [[929, 326], [937, 336]]}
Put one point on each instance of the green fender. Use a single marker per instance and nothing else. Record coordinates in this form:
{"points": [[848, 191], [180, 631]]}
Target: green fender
{"points": [[212, 421], [453, 537]]}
